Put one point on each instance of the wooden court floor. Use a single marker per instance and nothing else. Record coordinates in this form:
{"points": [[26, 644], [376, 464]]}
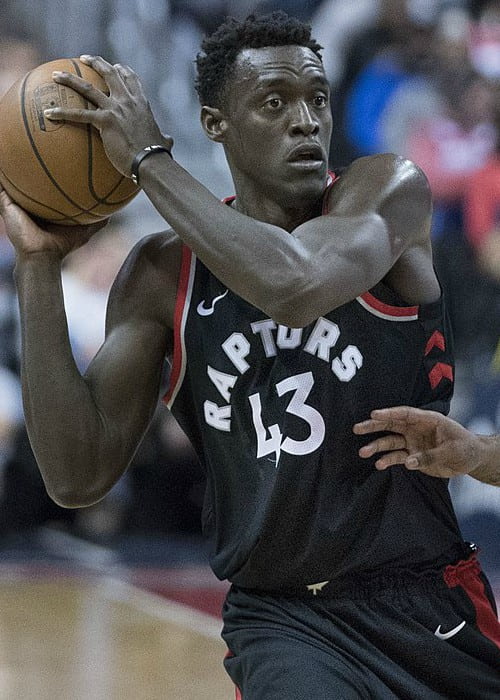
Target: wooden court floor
{"points": [[104, 639]]}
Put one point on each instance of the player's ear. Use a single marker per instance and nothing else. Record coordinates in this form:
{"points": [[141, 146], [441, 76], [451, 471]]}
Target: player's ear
{"points": [[214, 123]]}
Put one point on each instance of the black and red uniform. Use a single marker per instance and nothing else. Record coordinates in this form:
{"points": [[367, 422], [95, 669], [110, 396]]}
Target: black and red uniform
{"points": [[320, 546]]}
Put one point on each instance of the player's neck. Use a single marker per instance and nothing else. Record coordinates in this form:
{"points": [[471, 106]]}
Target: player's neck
{"points": [[264, 208]]}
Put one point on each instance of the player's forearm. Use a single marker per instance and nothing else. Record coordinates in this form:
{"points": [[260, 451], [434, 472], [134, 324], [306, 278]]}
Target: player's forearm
{"points": [[61, 419], [257, 260], [488, 451], [293, 277]]}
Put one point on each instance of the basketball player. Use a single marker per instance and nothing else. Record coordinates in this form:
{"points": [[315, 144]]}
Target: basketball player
{"points": [[430, 442], [289, 312]]}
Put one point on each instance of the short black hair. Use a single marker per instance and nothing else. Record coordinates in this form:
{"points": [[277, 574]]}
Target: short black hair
{"points": [[219, 51]]}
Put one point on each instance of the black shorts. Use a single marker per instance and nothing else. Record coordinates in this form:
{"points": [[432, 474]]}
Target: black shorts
{"points": [[413, 637]]}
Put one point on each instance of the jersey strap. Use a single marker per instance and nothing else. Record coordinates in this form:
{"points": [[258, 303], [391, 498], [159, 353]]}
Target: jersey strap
{"points": [[183, 300]]}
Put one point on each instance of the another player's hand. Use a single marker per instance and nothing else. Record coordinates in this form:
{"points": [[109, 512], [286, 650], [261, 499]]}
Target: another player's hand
{"points": [[30, 236], [123, 118], [419, 439]]}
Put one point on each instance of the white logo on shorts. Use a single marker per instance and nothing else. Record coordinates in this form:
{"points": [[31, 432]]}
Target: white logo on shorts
{"points": [[451, 633], [315, 587]]}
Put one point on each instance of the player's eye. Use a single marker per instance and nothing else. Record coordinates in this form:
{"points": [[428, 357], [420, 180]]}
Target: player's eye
{"points": [[274, 104], [320, 101]]}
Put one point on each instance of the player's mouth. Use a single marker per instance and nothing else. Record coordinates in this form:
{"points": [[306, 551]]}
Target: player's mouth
{"points": [[307, 155]]}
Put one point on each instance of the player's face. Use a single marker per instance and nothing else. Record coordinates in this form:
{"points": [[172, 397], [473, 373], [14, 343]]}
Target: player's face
{"points": [[279, 121]]}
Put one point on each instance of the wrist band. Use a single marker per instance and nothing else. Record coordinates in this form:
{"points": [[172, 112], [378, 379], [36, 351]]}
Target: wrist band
{"points": [[148, 151]]}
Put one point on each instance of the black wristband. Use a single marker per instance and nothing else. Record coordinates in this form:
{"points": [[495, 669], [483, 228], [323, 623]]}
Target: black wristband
{"points": [[148, 151]]}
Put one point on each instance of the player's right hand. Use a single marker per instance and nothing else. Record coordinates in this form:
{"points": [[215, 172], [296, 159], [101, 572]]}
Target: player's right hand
{"points": [[31, 237]]}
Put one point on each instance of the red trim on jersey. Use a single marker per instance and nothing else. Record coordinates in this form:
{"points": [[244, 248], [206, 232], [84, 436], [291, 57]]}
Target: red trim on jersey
{"points": [[466, 574], [179, 309], [388, 309], [439, 371], [332, 179], [435, 341]]}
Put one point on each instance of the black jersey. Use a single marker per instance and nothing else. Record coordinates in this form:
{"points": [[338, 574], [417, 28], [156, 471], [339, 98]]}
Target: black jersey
{"points": [[269, 410]]}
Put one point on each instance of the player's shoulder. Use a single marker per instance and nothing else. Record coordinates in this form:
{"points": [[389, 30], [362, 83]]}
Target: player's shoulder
{"points": [[148, 279], [388, 165], [386, 183], [155, 247], [157, 253]]}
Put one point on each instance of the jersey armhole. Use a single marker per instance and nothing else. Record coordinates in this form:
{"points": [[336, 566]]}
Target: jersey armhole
{"points": [[388, 312], [182, 303]]}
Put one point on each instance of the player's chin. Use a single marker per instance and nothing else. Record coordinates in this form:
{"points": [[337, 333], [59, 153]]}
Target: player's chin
{"points": [[307, 181]]}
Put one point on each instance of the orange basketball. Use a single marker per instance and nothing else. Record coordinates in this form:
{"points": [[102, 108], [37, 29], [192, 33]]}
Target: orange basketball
{"points": [[56, 170]]}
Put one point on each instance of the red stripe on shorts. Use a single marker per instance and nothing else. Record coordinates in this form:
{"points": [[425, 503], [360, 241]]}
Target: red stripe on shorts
{"points": [[466, 574]]}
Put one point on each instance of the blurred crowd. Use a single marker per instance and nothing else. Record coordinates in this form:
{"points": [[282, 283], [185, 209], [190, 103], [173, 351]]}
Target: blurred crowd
{"points": [[420, 78]]}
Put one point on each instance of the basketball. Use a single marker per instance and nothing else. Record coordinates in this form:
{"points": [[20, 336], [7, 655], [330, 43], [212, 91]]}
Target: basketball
{"points": [[57, 171]]}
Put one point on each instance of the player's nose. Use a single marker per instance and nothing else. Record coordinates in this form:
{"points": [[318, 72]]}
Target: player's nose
{"points": [[303, 120]]}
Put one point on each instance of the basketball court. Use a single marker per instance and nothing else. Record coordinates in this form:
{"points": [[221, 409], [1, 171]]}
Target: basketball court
{"points": [[85, 627]]}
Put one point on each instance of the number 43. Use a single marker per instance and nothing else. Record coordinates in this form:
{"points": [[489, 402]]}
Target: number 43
{"points": [[271, 440]]}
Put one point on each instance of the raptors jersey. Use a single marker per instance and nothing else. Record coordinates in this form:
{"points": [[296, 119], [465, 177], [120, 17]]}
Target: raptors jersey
{"points": [[270, 409]]}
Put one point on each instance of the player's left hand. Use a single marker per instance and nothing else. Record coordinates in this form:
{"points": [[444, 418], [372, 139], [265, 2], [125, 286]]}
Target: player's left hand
{"points": [[123, 118], [419, 439]]}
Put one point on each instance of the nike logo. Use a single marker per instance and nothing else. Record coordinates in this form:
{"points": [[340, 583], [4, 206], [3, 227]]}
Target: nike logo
{"points": [[208, 311], [451, 633]]}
